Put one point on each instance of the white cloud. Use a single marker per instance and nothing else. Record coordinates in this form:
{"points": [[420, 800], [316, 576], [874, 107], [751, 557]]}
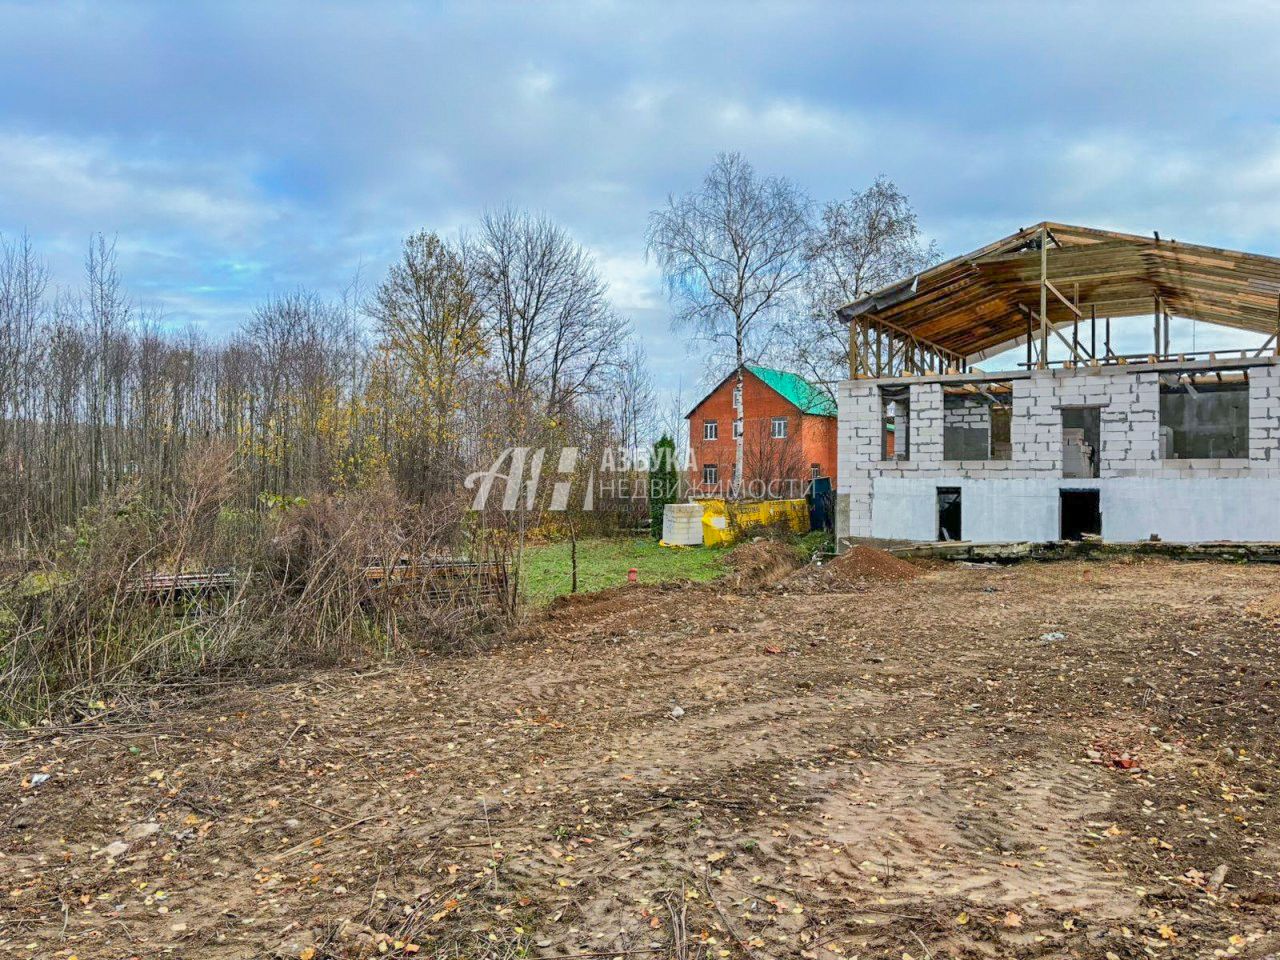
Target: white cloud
{"points": [[50, 180], [535, 84], [634, 284]]}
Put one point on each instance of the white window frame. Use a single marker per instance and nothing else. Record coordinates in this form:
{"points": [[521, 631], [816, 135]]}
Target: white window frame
{"points": [[710, 429], [737, 429], [773, 428], [710, 474]]}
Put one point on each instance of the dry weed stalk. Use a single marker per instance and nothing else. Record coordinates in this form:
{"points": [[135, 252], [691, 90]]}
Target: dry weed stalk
{"points": [[150, 589]]}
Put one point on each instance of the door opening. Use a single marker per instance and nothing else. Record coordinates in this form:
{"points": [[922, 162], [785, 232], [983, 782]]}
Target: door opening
{"points": [[1081, 442], [948, 513], [1080, 513]]}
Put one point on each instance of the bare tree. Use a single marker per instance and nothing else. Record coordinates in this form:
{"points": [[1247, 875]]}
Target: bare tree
{"points": [[864, 242], [109, 313], [775, 466], [632, 402], [555, 331], [23, 281], [671, 421], [732, 253], [299, 343]]}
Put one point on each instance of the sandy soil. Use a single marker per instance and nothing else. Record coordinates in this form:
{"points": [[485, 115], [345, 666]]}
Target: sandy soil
{"points": [[1042, 760]]}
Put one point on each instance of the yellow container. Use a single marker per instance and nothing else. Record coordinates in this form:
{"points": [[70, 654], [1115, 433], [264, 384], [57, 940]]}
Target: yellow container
{"points": [[725, 522]]}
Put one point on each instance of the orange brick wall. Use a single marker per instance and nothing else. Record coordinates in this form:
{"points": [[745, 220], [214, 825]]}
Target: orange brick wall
{"points": [[761, 404]]}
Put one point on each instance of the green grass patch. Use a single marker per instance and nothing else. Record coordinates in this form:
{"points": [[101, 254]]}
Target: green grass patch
{"points": [[604, 563], [816, 541]]}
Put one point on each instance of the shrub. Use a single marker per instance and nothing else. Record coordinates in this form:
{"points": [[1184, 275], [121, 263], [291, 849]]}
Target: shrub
{"points": [[91, 617], [664, 483]]}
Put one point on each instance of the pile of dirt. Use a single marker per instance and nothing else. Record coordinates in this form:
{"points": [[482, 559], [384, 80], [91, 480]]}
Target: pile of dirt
{"points": [[581, 609], [867, 563], [762, 562], [585, 611]]}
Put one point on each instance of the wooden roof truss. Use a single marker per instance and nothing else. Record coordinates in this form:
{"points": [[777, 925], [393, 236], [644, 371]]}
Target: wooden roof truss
{"points": [[1049, 281]]}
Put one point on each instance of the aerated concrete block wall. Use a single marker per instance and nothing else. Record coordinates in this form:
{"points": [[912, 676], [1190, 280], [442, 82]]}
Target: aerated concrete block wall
{"points": [[966, 413], [1264, 418], [966, 428], [1018, 499], [682, 524]]}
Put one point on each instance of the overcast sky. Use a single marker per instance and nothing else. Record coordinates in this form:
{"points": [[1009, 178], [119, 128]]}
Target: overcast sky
{"points": [[236, 150]]}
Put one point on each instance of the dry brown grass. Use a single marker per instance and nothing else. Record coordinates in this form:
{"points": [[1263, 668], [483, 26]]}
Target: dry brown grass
{"points": [[81, 622]]}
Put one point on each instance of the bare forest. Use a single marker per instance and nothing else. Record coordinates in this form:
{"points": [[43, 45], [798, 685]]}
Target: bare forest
{"points": [[321, 439], [510, 338]]}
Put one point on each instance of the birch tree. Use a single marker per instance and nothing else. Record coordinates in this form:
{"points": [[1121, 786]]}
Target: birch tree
{"points": [[732, 255], [864, 242]]}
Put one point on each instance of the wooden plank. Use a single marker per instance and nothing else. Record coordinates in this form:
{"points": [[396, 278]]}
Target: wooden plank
{"points": [[1056, 332], [1044, 296], [1058, 293]]}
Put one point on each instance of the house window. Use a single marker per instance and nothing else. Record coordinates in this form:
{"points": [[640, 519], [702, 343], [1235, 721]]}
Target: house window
{"points": [[976, 421], [815, 470], [1081, 442], [895, 423], [737, 429], [710, 430], [710, 474], [1205, 419], [778, 428]]}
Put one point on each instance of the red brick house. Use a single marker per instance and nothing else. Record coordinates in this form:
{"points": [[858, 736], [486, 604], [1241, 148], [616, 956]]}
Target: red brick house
{"points": [[789, 435]]}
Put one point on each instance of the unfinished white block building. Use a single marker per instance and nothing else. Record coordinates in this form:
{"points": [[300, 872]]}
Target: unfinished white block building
{"points": [[1181, 447]]}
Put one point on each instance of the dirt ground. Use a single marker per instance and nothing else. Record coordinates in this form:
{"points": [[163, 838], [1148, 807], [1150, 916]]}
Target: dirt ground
{"points": [[1058, 760]]}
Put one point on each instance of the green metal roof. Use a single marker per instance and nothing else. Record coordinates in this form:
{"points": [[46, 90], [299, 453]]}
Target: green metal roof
{"points": [[798, 390]]}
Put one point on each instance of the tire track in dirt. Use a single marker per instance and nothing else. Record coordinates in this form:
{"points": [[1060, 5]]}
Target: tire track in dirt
{"points": [[853, 771]]}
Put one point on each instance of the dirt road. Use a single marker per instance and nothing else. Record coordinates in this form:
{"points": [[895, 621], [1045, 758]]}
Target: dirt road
{"points": [[1043, 760]]}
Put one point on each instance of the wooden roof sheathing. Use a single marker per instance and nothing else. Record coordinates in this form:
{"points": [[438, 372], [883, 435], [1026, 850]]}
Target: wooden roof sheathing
{"points": [[974, 305]]}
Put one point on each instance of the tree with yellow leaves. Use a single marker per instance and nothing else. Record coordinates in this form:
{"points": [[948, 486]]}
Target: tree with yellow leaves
{"points": [[428, 313]]}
